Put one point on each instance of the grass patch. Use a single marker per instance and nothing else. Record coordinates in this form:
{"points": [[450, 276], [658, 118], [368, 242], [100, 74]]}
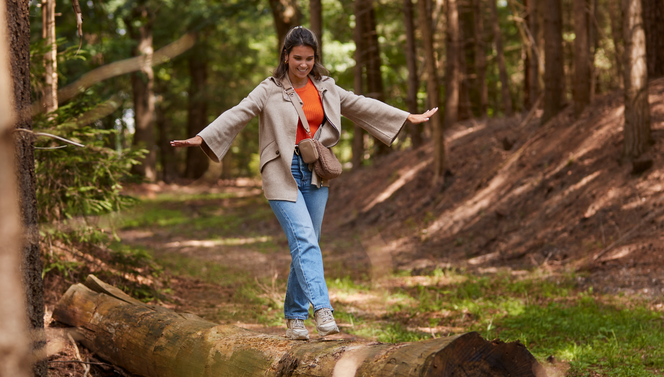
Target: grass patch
{"points": [[593, 333]]}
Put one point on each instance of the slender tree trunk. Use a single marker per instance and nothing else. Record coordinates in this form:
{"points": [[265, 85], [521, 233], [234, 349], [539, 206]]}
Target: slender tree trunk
{"points": [[413, 78], [433, 91], [143, 91], [616, 16], [197, 161], [526, 54], [50, 99], [592, 44], [166, 152], [451, 88], [14, 340], [375, 87], [554, 73], [500, 58], [533, 66], [316, 21], [480, 57], [637, 110], [653, 22], [31, 264], [465, 107], [581, 59], [286, 15], [360, 56]]}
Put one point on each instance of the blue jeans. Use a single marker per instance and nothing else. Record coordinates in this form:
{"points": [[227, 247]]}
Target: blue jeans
{"points": [[301, 221]]}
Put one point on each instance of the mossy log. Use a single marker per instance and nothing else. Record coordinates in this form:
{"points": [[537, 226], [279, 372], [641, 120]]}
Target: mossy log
{"points": [[156, 342]]}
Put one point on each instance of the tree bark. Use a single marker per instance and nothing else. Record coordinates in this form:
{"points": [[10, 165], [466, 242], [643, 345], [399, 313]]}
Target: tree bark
{"points": [[581, 92], [480, 57], [14, 343], [554, 74], [500, 58], [316, 23], [286, 15], [637, 110], [451, 89], [413, 78], [50, 99], [465, 106], [142, 84], [433, 91], [653, 16], [167, 155], [360, 58], [533, 66], [153, 341], [616, 16], [373, 63], [31, 264], [197, 161]]}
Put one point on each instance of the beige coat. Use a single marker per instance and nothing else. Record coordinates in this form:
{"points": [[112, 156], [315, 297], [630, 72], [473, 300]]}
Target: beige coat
{"points": [[278, 127]]}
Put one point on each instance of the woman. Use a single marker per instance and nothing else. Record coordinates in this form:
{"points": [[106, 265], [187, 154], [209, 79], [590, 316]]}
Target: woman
{"points": [[295, 193]]}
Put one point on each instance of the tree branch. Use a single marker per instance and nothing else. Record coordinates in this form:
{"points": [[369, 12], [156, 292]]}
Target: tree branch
{"points": [[51, 136]]}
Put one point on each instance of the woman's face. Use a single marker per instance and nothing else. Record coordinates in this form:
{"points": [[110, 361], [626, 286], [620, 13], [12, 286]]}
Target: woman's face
{"points": [[300, 61]]}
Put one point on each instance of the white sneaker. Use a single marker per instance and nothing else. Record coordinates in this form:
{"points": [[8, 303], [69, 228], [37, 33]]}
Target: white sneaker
{"points": [[325, 324], [296, 330]]}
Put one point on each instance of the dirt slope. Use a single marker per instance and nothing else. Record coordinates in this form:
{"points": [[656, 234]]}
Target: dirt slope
{"points": [[558, 197]]}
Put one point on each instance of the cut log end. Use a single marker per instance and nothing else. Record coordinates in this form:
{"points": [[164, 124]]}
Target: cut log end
{"points": [[470, 355]]}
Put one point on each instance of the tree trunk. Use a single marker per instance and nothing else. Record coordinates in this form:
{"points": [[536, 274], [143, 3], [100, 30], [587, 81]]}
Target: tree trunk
{"points": [[581, 59], [153, 341], [616, 16], [653, 22], [465, 107], [452, 80], [593, 45], [31, 264], [433, 91], [142, 84], [167, 155], [316, 23], [554, 71], [197, 161], [14, 343], [637, 110], [373, 63], [480, 57], [286, 15], [500, 58], [533, 66], [415, 130], [360, 56], [50, 99]]}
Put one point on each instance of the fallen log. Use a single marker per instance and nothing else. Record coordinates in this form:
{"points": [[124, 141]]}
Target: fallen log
{"points": [[152, 341]]}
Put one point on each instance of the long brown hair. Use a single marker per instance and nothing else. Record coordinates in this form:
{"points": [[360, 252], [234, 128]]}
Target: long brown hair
{"points": [[299, 36]]}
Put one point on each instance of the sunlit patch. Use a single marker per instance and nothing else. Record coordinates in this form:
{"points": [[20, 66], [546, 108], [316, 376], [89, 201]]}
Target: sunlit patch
{"points": [[601, 202], [459, 134], [620, 253], [405, 176], [221, 242], [484, 258]]}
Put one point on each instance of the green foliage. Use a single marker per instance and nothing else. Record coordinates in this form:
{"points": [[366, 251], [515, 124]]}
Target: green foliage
{"points": [[74, 181]]}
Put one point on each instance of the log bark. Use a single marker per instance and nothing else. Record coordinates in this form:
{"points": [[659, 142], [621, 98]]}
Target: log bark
{"points": [[153, 341]]}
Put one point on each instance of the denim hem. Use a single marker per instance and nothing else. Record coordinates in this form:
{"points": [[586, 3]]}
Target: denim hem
{"points": [[323, 307], [294, 317]]}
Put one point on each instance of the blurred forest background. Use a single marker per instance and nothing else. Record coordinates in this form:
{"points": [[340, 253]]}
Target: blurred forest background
{"points": [[544, 157]]}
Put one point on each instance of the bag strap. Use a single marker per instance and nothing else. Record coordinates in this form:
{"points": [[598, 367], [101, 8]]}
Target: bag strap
{"points": [[297, 103]]}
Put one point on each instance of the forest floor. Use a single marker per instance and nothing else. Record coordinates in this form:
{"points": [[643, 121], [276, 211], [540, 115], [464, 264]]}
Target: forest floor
{"points": [[539, 233]]}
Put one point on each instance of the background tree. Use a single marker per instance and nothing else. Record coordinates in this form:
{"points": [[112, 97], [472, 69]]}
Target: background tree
{"points": [[360, 57], [637, 110], [197, 161], [581, 59], [480, 57], [31, 264], [316, 23], [532, 22], [286, 15], [616, 17], [451, 88], [500, 58], [140, 29], [554, 72], [653, 14], [50, 98], [413, 78]]}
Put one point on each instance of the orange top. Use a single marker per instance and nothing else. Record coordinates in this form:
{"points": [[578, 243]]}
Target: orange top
{"points": [[313, 110]]}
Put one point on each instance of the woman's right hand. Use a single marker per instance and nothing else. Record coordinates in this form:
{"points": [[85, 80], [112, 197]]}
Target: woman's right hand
{"points": [[195, 141]]}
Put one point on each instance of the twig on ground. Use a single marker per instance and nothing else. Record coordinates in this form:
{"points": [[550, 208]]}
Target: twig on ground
{"points": [[86, 366], [80, 362]]}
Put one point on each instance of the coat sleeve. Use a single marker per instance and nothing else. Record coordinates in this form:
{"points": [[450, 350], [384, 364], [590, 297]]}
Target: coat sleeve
{"points": [[381, 120], [219, 135]]}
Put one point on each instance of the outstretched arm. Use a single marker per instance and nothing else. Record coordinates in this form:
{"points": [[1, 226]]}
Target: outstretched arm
{"points": [[195, 141], [421, 118]]}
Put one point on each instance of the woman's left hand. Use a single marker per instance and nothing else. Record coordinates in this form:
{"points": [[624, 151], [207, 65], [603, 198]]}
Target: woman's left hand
{"points": [[421, 118]]}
